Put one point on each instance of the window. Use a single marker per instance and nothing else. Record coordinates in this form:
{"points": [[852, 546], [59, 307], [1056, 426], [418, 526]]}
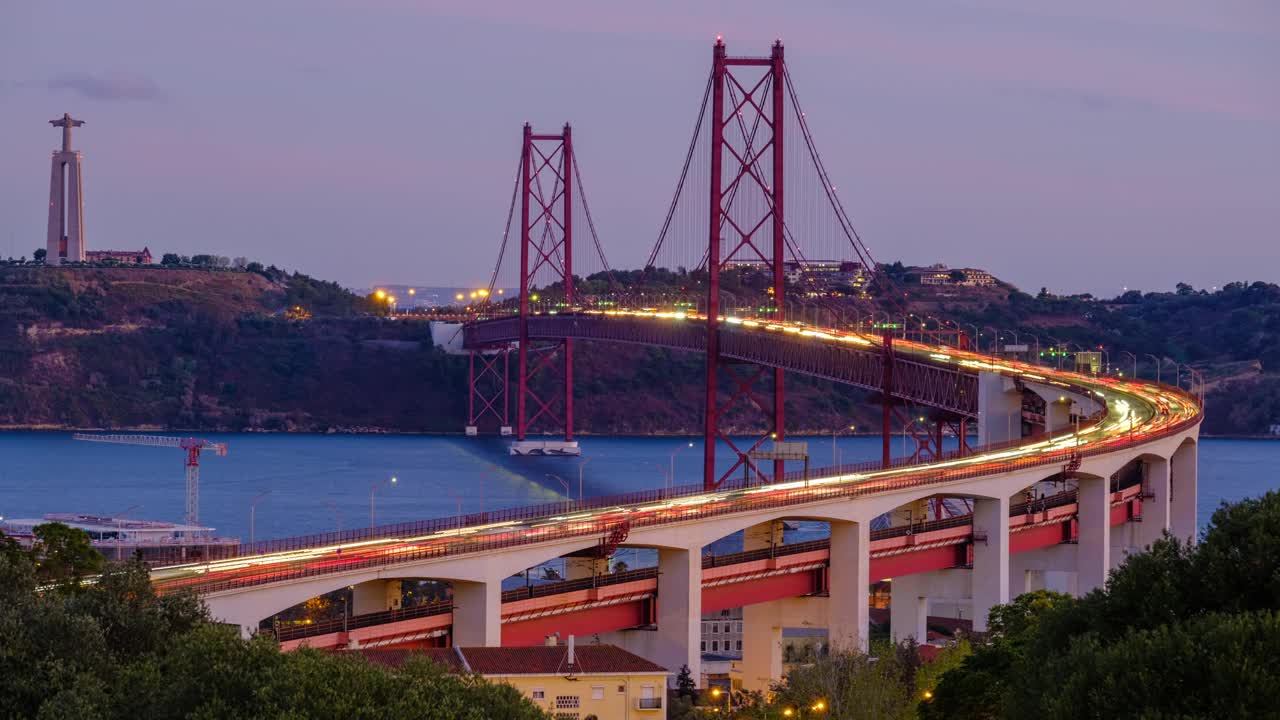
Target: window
{"points": [[715, 645], [739, 643], [597, 692], [567, 702], [622, 689], [538, 694], [704, 646], [737, 627]]}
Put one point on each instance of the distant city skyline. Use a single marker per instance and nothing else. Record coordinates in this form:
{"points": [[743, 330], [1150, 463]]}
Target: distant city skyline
{"points": [[1084, 149]]}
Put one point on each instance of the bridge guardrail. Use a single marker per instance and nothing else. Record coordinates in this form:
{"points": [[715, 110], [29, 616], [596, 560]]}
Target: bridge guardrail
{"points": [[332, 625], [781, 498]]}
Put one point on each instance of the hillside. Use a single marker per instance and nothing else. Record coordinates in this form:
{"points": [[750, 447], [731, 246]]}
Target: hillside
{"points": [[221, 350]]}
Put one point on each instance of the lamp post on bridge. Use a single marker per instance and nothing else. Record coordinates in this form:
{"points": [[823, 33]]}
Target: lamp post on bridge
{"points": [[1159, 363], [582, 466], [253, 511], [568, 494], [373, 489], [119, 517], [1135, 362], [672, 476]]}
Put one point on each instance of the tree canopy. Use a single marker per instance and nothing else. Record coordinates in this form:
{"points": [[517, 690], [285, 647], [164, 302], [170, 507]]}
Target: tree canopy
{"points": [[113, 649]]}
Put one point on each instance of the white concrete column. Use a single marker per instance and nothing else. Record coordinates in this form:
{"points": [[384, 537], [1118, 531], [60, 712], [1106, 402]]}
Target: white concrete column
{"points": [[762, 535], [761, 645], [375, 596], [1093, 554], [909, 608], [999, 409], [679, 611], [990, 558], [849, 585], [578, 567], [1057, 415], [1183, 493], [477, 614], [1155, 503]]}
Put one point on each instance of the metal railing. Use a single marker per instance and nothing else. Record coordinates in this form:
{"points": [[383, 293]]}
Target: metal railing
{"points": [[294, 632]]}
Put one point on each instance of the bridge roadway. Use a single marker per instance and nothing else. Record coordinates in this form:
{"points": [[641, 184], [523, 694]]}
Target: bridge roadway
{"points": [[1123, 421], [623, 600]]}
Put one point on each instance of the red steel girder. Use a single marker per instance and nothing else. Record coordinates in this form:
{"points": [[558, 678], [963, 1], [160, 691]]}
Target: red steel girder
{"points": [[487, 382]]}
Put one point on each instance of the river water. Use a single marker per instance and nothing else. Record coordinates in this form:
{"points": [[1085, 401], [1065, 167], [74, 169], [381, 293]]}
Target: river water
{"points": [[317, 482]]}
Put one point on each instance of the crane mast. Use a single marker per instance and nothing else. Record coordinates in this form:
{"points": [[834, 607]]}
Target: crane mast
{"points": [[191, 446]]}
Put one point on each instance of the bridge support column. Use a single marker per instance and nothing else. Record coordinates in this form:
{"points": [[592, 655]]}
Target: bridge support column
{"points": [[990, 557], [761, 645], [1094, 547], [375, 596], [577, 567], [909, 609], [477, 614], [999, 409], [1057, 415], [679, 611], [1051, 568], [1183, 493], [848, 585], [1155, 503]]}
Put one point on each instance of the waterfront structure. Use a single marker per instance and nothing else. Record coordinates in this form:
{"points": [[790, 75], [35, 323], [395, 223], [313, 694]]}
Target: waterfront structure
{"points": [[124, 257], [66, 237], [122, 538], [567, 681]]}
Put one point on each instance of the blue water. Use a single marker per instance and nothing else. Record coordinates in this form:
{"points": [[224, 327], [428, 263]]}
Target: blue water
{"points": [[316, 482]]}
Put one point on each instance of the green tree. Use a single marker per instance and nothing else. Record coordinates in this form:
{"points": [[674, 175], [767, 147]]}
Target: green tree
{"points": [[63, 553], [39, 255], [686, 686]]}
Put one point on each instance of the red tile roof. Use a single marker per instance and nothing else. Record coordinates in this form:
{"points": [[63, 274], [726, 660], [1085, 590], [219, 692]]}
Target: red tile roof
{"points": [[535, 660], [396, 658]]}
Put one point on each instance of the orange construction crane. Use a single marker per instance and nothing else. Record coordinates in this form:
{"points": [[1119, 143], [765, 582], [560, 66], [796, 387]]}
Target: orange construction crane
{"points": [[192, 446]]}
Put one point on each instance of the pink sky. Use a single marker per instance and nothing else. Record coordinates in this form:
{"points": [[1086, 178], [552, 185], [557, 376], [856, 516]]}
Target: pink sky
{"points": [[1081, 147]]}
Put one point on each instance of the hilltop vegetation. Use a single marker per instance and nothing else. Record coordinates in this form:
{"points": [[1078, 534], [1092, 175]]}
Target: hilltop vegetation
{"points": [[259, 348]]}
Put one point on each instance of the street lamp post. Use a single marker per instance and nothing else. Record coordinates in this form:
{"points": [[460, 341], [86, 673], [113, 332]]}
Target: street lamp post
{"points": [[1159, 362], [253, 511], [581, 466], [374, 489], [568, 496], [672, 476], [1135, 362]]}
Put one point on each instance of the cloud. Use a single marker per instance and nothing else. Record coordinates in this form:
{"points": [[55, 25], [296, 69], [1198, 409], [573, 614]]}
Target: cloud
{"points": [[109, 86]]}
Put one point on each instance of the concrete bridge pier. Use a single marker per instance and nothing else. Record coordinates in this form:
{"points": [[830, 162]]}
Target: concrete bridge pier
{"points": [[1093, 551], [375, 596], [990, 557], [999, 409], [762, 623], [1155, 504], [848, 586], [1052, 568], [913, 598], [1183, 492], [678, 638], [477, 614]]}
